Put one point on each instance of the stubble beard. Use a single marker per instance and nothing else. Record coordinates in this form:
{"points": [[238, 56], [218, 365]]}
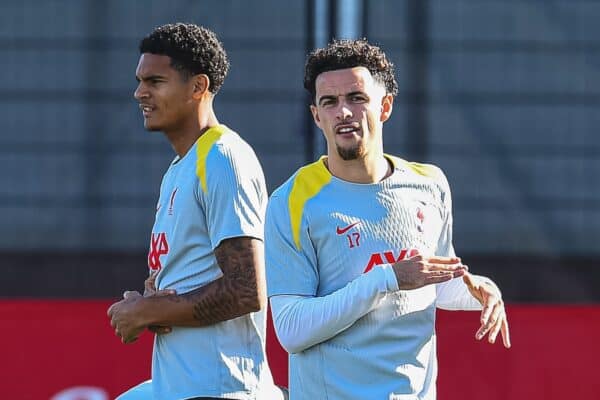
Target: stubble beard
{"points": [[351, 153]]}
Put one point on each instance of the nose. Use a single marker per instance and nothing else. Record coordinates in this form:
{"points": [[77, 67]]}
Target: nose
{"points": [[344, 112], [140, 93]]}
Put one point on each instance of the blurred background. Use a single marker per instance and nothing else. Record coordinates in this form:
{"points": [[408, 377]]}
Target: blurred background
{"points": [[502, 95]]}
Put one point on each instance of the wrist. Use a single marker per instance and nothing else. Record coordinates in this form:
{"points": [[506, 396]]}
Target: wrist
{"points": [[144, 312]]}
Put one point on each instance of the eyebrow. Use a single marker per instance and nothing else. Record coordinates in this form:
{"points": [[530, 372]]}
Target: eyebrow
{"points": [[326, 97], [148, 78], [331, 96]]}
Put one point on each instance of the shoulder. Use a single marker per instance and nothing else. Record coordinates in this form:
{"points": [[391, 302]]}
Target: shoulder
{"points": [[426, 171], [305, 183], [221, 144], [222, 155], [286, 206]]}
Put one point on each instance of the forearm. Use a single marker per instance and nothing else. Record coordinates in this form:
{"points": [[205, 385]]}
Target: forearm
{"points": [[302, 322], [239, 291]]}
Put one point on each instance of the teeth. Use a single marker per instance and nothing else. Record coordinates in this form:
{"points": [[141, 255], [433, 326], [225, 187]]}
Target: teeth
{"points": [[346, 130]]}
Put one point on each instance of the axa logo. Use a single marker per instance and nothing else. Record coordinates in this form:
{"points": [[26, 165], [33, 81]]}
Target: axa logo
{"points": [[159, 246], [389, 257]]}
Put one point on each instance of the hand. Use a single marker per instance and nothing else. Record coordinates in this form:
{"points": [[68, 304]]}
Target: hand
{"points": [[124, 317], [419, 271], [493, 315]]}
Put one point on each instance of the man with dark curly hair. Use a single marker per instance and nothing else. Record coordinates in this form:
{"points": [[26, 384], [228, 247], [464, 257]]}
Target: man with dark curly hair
{"points": [[205, 295], [359, 247]]}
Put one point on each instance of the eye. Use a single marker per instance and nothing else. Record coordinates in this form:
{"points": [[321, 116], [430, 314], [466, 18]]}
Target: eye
{"points": [[327, 102], [359, 98]]}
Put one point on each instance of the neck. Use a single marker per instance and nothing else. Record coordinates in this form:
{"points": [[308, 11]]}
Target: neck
{"points": [[364, 170], [184, 137]]}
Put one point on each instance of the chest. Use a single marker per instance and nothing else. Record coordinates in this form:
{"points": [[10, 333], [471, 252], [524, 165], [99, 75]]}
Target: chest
{"points": [[353, 234], [178, 200]]}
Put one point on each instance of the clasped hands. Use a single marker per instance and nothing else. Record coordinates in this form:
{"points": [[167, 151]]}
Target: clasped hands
{"points": [[125, 316]]}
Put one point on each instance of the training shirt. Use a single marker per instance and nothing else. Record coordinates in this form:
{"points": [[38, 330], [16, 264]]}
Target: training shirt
{"points": [[322, 235], [214, 192]]}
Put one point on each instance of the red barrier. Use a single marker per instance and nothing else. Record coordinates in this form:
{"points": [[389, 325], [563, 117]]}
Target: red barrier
{"points": [[554, 355], [52, 346]]}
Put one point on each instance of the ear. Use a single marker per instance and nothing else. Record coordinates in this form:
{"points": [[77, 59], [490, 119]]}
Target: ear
{"points": [[200, 82], [315, 113], [386, 107]]}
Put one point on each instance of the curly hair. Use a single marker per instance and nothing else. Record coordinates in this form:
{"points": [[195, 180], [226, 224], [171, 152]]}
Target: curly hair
{"points": [[341, 54], [193, 50]]}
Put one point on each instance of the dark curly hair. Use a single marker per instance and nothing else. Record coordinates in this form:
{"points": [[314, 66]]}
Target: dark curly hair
{"points": [[193, 50], [341, 54]]}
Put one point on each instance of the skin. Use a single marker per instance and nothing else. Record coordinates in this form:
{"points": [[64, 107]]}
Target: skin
{"points": [[239, 291], [351, 108], [182, 109], [351, 99]]}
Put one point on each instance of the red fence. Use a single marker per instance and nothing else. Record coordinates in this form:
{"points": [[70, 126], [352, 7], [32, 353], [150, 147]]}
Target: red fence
{"points": [[66, 350]]}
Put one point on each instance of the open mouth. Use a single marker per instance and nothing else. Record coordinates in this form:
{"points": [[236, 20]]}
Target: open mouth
{"points": [[347, 129], [146, 109]]}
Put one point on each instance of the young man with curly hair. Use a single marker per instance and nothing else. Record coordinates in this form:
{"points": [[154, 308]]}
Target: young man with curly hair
{"points": [[359, 247], [205, 295]]}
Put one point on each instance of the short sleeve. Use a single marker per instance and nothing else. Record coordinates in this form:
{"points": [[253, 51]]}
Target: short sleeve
{"points": [[235, 195]]}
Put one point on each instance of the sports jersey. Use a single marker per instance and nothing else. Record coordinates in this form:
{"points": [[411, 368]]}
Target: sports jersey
{"points": [[325, 237], [214, 192]]}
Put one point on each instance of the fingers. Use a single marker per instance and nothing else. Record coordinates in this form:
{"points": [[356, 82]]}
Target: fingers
{"points": [[437, 263], [443, 260], [505, 333], [469, 280], [495, 329], [152, 276], [493, 321], [419, 271], [490, 315], [445, 267], [486, 312], [437, 277], [130, 293], [129, 340], [150, 282], [127, 336]]}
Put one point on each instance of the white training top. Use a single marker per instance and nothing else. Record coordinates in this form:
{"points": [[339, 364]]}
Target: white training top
{"points": [[334, 296], [216, 191]]}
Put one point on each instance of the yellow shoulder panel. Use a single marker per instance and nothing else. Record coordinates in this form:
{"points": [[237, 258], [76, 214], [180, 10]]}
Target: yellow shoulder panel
{"points": [[205, 143], [427, 170], [308, 182]]}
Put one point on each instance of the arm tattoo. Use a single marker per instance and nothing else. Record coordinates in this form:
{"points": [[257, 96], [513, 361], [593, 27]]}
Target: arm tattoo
{"points": [[239, 290]]}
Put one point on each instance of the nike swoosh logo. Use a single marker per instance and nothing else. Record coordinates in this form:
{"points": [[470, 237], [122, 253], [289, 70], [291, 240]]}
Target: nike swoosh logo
{"points": [[346, 229]]}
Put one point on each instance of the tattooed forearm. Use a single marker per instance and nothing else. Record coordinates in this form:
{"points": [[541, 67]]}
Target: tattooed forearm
{"points": [[239, 291]]}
